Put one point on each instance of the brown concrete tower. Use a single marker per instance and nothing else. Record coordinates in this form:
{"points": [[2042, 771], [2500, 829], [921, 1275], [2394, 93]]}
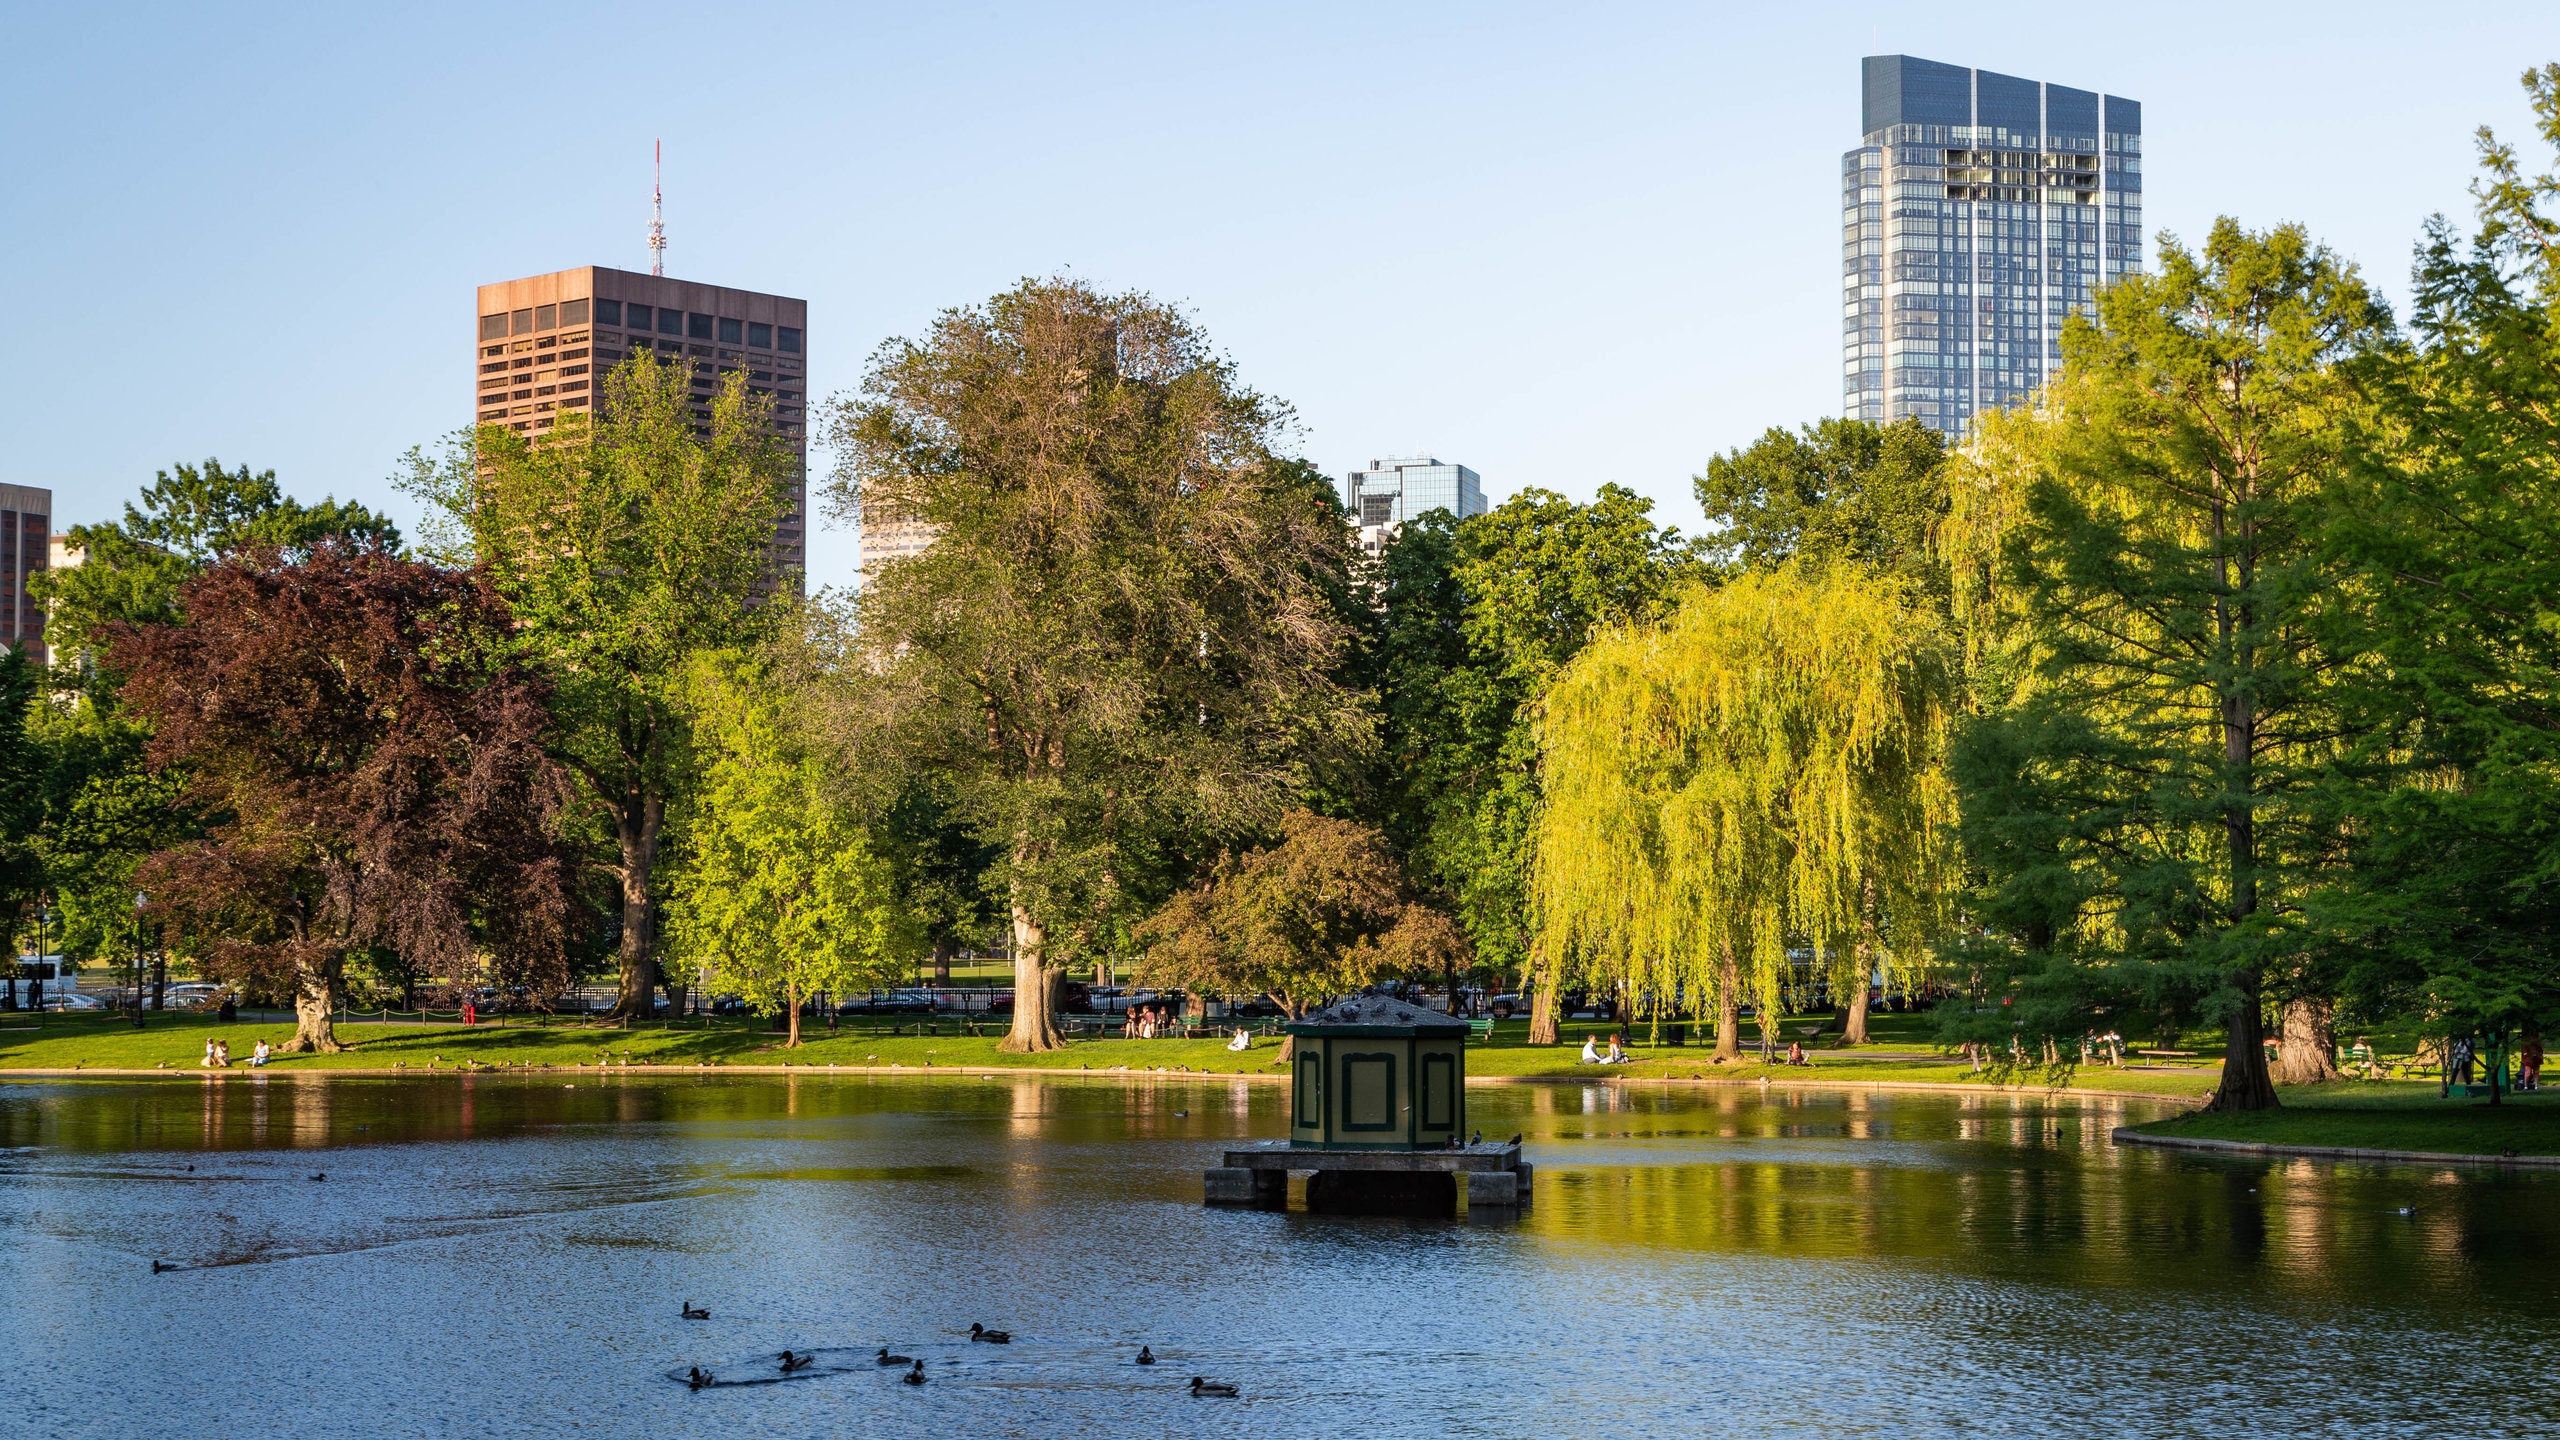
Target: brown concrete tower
{"points": [[544, 341]]}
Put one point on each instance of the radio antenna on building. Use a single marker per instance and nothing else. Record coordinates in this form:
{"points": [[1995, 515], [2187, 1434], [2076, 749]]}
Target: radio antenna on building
{"points": [[657, 210]]}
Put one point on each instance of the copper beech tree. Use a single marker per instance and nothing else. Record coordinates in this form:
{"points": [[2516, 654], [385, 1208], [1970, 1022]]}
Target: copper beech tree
{"points": [[378, 784]]}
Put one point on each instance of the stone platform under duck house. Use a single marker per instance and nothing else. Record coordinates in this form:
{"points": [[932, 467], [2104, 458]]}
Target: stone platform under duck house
{"points": [[1377, 1121]]}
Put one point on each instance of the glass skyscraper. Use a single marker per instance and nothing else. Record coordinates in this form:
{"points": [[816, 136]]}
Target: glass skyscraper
{"points": [[1400, 487], [1978, 211]]}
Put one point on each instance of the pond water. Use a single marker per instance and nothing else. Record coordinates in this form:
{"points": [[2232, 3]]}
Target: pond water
{"points": [[507, 1256]]}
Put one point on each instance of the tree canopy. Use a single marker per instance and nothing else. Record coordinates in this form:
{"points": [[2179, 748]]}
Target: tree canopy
{"points": [[1120, 648]]}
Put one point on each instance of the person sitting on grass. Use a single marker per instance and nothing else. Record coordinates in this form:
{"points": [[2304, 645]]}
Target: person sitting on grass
{"points": [[207, 1062], [1591, 1050], [1795, 1052], [259, 1055], [221, 1054], [1243, 1039], [1617, 1051]]}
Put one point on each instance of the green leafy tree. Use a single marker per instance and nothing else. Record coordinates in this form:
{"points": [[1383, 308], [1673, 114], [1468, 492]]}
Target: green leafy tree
{"points": [[781, 895], [1321, 911], [2449, 520], [1761, 770], [188, 516], [1121, 648], [627, 546], [23, 762], [1478, 620], [2141, 810], [1838, 490]]}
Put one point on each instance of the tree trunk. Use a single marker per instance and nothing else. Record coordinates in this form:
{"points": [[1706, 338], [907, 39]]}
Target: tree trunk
{"points": [[1853, 1031], [1035, 990], [791, 1005], [637, 959], [942, 961], [1543, 1003], [1729, 1008], [2245, 1084], [2307, 1054], [315, 995]]}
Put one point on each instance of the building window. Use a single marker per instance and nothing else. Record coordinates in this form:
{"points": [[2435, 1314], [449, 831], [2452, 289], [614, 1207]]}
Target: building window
{"points": [[790, 339], [498, 414], [573, 312], [493, 327], [760, 336], [636, 316], [731, 331], [608, 312], [524, 322], [670, 322], [546, 317], [697, 327]]}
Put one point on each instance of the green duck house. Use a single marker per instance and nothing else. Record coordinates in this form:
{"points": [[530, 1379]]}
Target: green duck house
{"points": [[1377, 1118]]}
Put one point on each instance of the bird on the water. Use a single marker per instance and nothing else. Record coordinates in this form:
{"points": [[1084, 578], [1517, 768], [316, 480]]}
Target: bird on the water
{"points": [[696, 1379], [159, 1265], [888, 1359], [791, 1362], [915, 1376], [691, 1313], [1146, 1356], [316, 1175], [991, 1337], [1211, 1387]]}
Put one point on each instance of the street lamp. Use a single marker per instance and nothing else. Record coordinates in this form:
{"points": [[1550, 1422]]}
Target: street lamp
{"points": [[137, 960]]}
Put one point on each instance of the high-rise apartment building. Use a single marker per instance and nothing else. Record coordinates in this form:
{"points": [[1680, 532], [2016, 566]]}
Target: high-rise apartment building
{"points": [[26, 551], [881, 537], [547, 340], [1978, 211], [1401, 487]]}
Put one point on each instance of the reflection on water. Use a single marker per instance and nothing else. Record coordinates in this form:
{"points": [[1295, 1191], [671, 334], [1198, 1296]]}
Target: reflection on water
{"points": [[503, 1256]]}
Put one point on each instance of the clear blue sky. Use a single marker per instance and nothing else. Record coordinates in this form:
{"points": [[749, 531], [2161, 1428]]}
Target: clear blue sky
{"points": [[1563, 245]]}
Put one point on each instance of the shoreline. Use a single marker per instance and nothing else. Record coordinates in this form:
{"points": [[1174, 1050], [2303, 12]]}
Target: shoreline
{"points": [[2130, 1135], [1121, 1073]]}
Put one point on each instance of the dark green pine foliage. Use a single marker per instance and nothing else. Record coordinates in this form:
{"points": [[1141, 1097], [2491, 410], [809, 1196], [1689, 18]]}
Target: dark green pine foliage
{"points": [[2451, 520], [2142, 812]]}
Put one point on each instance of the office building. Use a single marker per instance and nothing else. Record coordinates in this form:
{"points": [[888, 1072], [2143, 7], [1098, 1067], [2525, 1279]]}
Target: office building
{"points": [[880, 536], [26, 551], [545, 342], [1978, 211], [1401, 487]]}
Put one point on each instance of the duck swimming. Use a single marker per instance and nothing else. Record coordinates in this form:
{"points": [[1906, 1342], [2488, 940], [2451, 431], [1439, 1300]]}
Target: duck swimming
{"points": [[695, 1379], [888, 1359], [915, 1376], [691, 1313], [991, 1337], [791, 1362], [1211, 1387], [1146, 1356]]}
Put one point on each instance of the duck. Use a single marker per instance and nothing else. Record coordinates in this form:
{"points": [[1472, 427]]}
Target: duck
{"points": [[1212, 1387], [991, 1337], [1515, 1141], [695, 1379], [159, 1265], [1476, 1139], [1146, 1356], [316, 1175], [691, 1313], [915, 1376], [791, 1362], [888, 1359]]}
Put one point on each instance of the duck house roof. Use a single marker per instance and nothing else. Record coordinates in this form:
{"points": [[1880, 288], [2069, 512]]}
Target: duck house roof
{"points": [[1375, 1015]]}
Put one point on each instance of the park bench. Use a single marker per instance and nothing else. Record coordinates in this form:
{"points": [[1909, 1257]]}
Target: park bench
{"points": [[1480, 1030]]}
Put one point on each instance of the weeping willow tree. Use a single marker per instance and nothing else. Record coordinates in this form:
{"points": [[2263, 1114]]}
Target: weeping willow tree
{"points": [[1762, 772]]}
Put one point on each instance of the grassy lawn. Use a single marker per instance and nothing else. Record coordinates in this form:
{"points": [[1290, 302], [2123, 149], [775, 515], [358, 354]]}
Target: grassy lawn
{"points": [[2386, 1115], [176, 1043]]}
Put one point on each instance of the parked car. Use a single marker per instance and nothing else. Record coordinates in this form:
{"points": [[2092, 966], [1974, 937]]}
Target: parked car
{"points": [[888, 1002], [1073, 999], [71, 1000]]}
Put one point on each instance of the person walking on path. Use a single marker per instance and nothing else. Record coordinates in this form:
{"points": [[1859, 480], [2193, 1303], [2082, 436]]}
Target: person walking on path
{"points": [[2529, 1061]]}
